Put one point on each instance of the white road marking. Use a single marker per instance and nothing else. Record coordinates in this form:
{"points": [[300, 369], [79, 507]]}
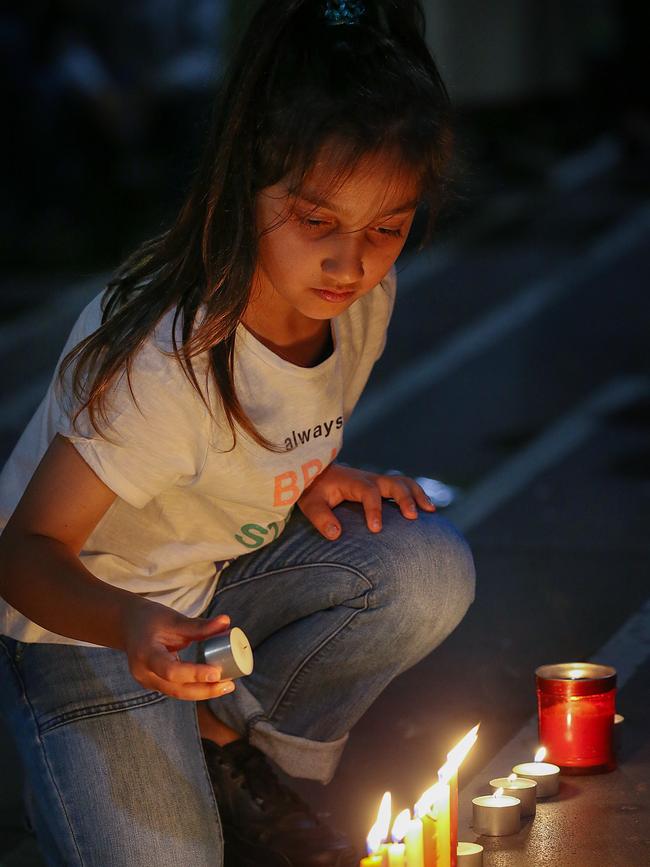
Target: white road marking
{"points": [[477, 337], [554, 444], [629, 647]]}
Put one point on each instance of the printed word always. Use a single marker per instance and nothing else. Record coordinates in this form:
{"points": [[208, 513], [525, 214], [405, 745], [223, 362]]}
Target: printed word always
{"points": [[300, 437]]}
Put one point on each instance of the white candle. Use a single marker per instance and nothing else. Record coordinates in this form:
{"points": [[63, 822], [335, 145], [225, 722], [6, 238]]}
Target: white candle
{"points": [[496, 815]]}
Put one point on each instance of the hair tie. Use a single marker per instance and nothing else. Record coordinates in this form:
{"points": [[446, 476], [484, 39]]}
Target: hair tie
{"points": [[344, 11]]}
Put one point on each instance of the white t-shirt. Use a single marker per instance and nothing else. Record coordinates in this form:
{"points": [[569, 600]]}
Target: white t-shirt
{"points": [[184, 503]]}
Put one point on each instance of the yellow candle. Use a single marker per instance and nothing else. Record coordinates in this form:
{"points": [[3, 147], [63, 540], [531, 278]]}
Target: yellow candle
{"points": [[396, 852], [430, 841], [397, 849], [414, 841], [443, 818], [377, 859], [378, 853], [453, 812], [438, 808]]}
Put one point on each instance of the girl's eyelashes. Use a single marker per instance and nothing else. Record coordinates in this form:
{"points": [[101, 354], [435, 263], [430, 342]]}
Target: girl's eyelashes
{"points": [[392, 233], [315, 224]]}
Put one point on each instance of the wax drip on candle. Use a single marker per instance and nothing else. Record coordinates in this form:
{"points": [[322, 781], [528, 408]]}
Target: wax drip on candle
{"points": [[379, 830]]}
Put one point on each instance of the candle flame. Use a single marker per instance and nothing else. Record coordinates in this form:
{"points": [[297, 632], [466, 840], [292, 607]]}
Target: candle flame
{"points": [[576, 673], [400, 826], [429, 799], [456, 756], [497, 792], [379, 830], [512, 776], [540, 755]]}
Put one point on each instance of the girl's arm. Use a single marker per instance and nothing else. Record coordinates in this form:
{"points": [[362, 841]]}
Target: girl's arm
{"points": [[42, 576]]}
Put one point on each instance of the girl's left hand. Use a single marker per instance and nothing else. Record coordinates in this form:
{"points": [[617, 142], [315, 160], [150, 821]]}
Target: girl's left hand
{"points": [[337, 484]]}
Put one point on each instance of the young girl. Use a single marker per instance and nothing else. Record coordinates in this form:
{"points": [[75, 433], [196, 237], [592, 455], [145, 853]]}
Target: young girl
{"points": [[199, 398]]}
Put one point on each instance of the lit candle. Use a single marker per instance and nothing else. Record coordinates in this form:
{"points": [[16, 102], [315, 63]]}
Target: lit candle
{"points": [[453, 801], [414, 840], [518, 787], [378, 853], [442, 812], [447, 803], [576, 709], [546, 775], [439, 820], [496, 815], [424, 811], [470, 855], [397, 849]]}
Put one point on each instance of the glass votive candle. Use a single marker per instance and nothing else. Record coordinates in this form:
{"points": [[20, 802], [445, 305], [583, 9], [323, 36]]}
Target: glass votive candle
{"points": [[576, 706]]}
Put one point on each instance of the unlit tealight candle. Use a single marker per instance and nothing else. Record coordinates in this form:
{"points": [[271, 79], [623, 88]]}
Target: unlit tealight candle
{"points": [[231, 652], [470, 855]]}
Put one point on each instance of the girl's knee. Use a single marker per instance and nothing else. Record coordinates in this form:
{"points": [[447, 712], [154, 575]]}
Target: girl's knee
{"points": [[426, 570]]}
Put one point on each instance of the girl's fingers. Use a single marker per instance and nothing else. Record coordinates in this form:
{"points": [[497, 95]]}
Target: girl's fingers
{"points": [[168, 667], [421, 498], [322, 517], [399, 490], [371, 502], [191, 691]]}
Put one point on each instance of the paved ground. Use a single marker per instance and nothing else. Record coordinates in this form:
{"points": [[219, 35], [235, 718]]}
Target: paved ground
{"points": [[516, 371]]}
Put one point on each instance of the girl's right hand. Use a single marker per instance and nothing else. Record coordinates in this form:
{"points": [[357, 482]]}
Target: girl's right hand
{"points": [[153, 633]]}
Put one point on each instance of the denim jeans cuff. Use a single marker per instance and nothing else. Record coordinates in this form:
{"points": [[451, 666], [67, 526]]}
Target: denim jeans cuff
{"points": [[296, 755]]}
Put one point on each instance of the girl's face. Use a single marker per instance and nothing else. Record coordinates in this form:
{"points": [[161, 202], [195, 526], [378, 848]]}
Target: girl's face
{"points": [[325, 246]]}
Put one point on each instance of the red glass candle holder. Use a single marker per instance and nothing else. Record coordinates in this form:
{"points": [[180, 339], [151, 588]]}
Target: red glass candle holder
{"points": [[576, 706]]}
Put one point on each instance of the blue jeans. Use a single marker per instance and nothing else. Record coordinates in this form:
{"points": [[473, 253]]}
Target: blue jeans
{"points": [[115, 773]]}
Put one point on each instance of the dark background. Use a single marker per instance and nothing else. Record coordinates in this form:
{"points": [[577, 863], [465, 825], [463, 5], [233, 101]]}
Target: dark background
{"points": [[104, 109], [105, 106]]}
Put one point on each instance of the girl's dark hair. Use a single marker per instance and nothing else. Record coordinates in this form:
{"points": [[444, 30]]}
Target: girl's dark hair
{"points": [[295, 84]]}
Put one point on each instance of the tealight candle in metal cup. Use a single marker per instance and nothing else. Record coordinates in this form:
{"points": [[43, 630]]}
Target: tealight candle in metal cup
{"points": [[496, 815], [469, 855], [231, 652], [545, 774], [519, 787]]}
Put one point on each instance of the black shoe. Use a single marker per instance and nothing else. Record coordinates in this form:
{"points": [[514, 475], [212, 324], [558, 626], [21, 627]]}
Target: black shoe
{"points": [[264, 823]]}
